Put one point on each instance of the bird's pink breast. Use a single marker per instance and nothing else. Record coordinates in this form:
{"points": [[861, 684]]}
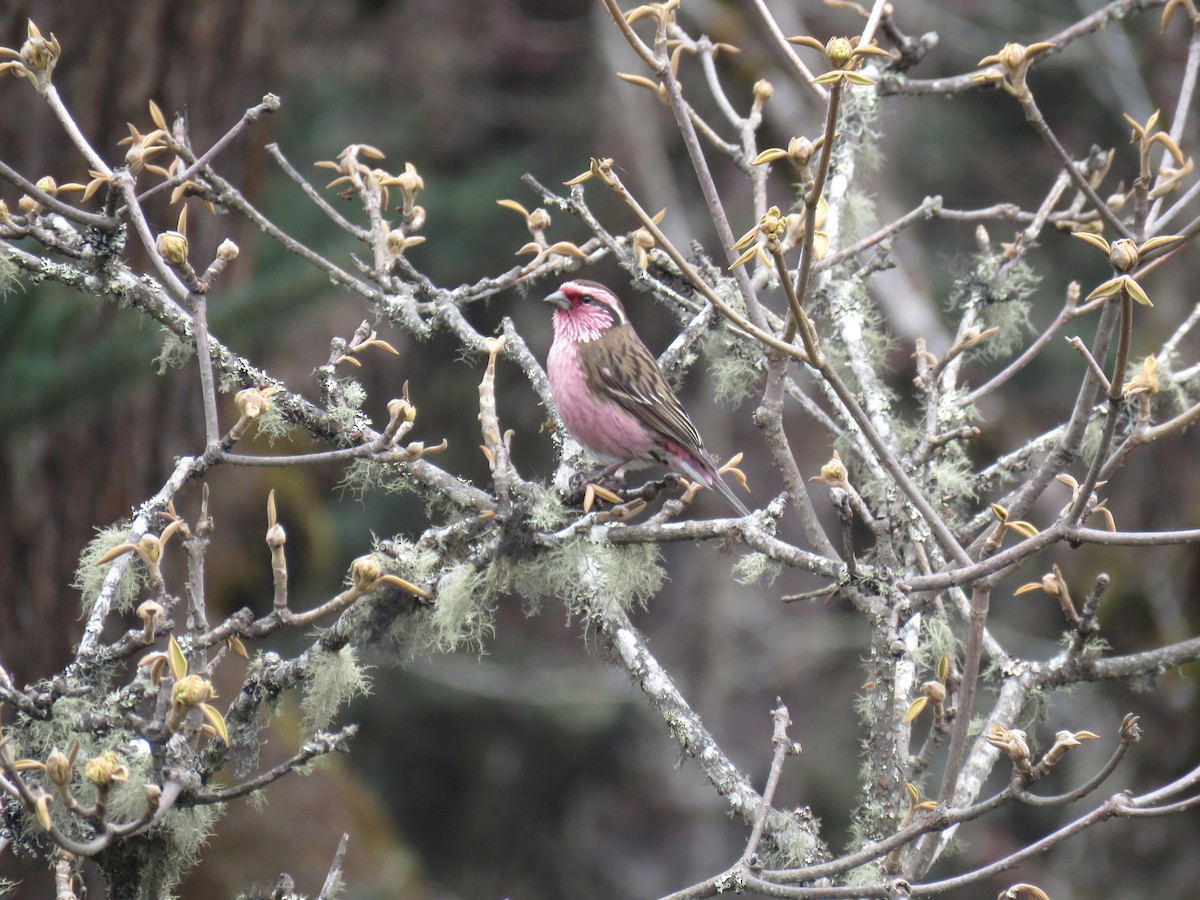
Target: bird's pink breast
{"points": [[609, 432]]}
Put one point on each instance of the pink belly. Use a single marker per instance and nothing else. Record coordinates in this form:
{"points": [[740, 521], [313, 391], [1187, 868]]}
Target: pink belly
{"points": [[609, 432]]}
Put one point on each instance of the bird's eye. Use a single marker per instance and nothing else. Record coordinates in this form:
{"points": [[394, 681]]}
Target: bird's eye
{"points": [[587, 298]]}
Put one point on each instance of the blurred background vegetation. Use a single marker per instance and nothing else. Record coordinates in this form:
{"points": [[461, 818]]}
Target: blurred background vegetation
{"points": [[533, 770]]}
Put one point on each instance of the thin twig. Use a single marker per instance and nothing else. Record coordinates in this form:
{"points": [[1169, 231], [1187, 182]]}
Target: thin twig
{"points": [[270, 103], [783, 747]]}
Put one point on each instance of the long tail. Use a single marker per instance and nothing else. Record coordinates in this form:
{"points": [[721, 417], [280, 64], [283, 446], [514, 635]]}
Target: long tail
{"points": [[719, 485], [703, 468]]}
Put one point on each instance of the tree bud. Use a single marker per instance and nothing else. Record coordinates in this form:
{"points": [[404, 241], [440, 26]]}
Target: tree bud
{"points": [[1123, 254], [173, 247], [365, 571]]}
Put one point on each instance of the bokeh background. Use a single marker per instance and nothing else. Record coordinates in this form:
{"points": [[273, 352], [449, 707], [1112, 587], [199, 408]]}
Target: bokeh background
{"points": [[533, 770]]}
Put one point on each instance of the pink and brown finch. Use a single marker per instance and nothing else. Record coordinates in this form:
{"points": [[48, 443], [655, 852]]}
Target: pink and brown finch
{"points": [[613, 397]]}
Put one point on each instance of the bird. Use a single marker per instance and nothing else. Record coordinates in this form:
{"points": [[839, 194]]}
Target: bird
{"points": [[613, 397]]}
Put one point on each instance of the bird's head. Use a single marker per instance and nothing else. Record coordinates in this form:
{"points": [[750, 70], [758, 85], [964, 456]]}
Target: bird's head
{"points": [[585, 310]]}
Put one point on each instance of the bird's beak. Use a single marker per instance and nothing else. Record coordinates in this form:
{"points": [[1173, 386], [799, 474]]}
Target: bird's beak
{"points": [[559, 299]]}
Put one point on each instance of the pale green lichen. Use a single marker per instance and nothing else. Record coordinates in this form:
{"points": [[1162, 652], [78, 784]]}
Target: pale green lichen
{"points": [[228, 381], [733, 377], [1001, 293], [872, 873], [168, 850], [458, 614], [89, 577], [153, 861], [462, 613], [365, 476], [858, 217], [796, 846], [937, 640], [632, 573], [273, 425], [348, 410], [1174, 396], [756, 568], [8, 274], [173, 354], [547, 511], [1088, 446], [581, 571], [335, 678]]}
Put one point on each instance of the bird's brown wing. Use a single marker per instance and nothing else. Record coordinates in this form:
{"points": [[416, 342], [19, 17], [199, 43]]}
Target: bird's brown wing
{"points": [[619, 367]]}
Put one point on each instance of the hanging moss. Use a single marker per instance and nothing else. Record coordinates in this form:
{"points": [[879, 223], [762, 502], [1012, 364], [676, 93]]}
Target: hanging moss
{"points": [[8, 275], [89, 577], [756, 568], [462, 613], [937, 640], [174, 353], [799, 848], [335, 678], [547, 511], [581, 570], [272, 425], [1001, 294], [733, 376], [148, 866], [365, 476], [348, 410]]}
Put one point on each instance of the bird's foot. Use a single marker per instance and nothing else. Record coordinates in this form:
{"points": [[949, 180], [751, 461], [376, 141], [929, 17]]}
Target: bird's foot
{"points": [[587, 488], [594, 490], [651, 489], [608, 479]]}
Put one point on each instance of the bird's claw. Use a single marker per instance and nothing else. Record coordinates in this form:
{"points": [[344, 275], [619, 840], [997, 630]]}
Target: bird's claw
{"points": [[593, 492]]}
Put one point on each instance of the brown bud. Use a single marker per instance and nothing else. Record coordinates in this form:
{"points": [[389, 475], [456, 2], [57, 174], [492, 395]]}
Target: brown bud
{"points": [[839, 52], [1123, 254], [1011, 56], [773, 224], [410, 182], [251, 402], [800, 150], [105, 769], [401, 409], [834, 471], [39, 55], [149, 612], [135, 157], [1146, 380], [276, 536], [935, 691], [763, 90], [365, 571], [395, 241], [189, 691], [42, 810], [150, 548], [173, 247], [58, 767]]}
